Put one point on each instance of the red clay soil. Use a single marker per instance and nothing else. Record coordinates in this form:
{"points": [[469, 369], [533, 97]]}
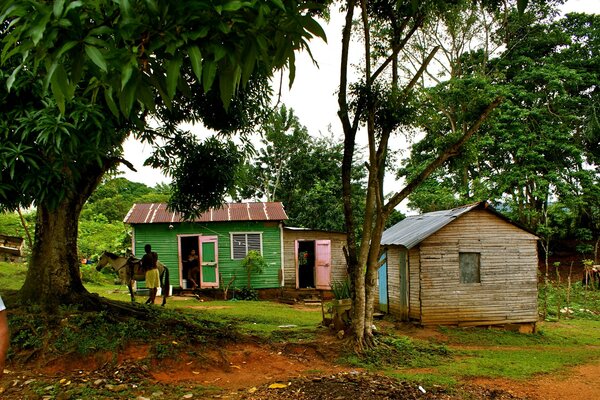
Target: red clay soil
{"points": [[247, 365], [245, 371], [578, 383]]}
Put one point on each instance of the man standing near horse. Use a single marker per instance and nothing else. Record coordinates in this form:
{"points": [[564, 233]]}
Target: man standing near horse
{"points": [[149, 265]]}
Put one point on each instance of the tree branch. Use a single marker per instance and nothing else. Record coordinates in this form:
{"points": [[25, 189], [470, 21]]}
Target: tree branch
{"points": [[448, 153]]}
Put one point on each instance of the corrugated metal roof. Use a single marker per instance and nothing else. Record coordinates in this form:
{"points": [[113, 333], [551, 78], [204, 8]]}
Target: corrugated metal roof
{"points": [[413, 229], [156, 213]]}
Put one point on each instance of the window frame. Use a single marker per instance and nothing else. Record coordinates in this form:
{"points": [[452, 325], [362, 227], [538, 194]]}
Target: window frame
{"points": [[462, 273], [231, 241]]}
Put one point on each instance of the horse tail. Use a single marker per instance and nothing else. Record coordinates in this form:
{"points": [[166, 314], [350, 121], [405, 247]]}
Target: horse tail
{"points": [[166, 281]]}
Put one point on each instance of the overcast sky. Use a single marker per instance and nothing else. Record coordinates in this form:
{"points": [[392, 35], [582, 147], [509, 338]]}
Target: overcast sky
{"points": [[312, 96]]}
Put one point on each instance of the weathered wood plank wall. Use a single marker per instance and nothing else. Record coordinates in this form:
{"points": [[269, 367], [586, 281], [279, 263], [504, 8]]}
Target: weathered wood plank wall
{"points": [[507, 292], [338, 261]]}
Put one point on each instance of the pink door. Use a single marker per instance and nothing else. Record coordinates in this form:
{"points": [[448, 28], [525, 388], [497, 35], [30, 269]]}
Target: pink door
{"points": [[323, 264], [209, 262]]}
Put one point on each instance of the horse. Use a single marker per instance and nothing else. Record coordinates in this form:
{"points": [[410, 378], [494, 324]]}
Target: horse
{"points": [[128, 269]]}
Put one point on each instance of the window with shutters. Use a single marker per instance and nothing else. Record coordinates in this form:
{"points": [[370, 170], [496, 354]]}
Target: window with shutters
{"points": [[470, 267], [242, 243]]}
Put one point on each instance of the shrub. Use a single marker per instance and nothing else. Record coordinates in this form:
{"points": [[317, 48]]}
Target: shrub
{"points": [[253, 262], [341, 289], [247, 294]]}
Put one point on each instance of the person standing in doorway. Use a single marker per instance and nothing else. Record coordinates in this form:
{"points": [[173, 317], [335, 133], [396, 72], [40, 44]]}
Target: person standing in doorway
{"points": [[149, 265], [194, 269], [4, 336]]}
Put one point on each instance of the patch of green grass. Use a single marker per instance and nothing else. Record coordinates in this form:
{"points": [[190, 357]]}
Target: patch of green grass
{"points": [[573, 332], [12, 275], [514, 364], [492, 337], [86, 333], [264, 318], [564, 333], [394, 352]]}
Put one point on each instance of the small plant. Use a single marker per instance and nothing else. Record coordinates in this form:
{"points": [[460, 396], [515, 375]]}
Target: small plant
{"points": [[253, 263], [341, 289], [247, 294]]}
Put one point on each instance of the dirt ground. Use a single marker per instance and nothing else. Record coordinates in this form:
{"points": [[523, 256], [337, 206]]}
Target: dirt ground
{"points": [[257, 371]]}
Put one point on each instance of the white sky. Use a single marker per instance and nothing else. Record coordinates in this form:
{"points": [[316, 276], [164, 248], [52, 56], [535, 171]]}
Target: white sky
{"points": [[313, 95]]}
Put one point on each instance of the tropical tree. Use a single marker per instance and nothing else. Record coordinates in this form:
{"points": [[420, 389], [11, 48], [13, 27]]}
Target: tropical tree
{"points": [[114, 197], [539, 149], [384, 102], [78, 77], [299, 170]]}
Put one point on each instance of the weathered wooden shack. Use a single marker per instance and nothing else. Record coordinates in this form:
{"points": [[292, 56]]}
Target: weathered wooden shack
{"points": [[11, 248], [220, 237], [466, 266], [312, 259]]}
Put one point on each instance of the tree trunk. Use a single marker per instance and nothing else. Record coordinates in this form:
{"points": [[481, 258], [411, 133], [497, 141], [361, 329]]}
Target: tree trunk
{"points": [[358, 308], [53, 277]]}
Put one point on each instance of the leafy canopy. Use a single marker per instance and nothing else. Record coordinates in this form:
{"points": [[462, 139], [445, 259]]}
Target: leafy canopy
{"points": [[133, 48], [79, 76]]}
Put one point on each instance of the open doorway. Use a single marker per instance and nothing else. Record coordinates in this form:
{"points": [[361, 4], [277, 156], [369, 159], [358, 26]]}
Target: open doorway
{"points": [[189, 253], [306, 264]]}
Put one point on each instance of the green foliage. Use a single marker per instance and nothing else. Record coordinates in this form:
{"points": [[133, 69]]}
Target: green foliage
{"points": [[301, 171], [97, 236], [246, 294], [114, 62], [533, 150], [89, 274], [576, 302], [253, 263], [164, 350], [203, 176], [341, 289], [402, 352], [10, 223], [115, 196]]}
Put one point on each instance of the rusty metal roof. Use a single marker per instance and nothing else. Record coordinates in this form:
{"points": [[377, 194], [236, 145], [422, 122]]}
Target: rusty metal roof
{"points": [[413, 229], [157, 213]]}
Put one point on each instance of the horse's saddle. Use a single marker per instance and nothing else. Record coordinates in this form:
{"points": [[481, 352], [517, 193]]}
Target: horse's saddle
{"points": [[136, 270]]}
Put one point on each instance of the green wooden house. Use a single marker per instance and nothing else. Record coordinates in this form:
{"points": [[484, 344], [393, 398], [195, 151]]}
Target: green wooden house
{"points": [[220, 237]]}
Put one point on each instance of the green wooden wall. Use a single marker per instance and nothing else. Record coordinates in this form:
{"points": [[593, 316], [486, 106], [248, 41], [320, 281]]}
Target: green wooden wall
{"points": [[164, 241]]}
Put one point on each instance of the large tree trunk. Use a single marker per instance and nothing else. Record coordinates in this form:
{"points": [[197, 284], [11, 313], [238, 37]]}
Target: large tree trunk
{"points": [[53, 277]]}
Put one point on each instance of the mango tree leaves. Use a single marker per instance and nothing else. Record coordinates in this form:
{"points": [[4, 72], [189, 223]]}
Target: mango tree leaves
{"points": [[124, 46]]}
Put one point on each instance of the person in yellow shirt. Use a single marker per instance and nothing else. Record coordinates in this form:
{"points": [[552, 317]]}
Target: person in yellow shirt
{"points": [[149, 265]]}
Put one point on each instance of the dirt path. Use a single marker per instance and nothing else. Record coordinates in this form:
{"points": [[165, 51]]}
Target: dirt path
{"points": [[578, 383]]}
